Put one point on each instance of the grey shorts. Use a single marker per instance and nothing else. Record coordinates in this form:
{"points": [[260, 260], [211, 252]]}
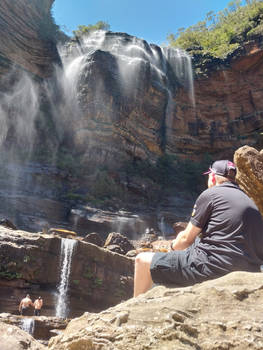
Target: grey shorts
{"points": [[178, 268]]}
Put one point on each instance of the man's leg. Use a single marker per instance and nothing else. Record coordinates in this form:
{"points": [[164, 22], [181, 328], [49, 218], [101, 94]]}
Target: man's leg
{"points": [[142, 274]]}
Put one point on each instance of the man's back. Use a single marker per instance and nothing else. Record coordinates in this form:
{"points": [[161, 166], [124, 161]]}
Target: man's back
{"points": [[232, 227]]}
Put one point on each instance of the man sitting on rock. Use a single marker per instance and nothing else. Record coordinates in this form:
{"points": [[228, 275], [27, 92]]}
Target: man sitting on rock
{"points": [[24, 305], [225, 234]]}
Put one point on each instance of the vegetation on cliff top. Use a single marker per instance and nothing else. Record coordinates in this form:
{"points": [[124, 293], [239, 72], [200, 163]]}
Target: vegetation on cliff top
{"points": [[83, 29], [223, 32]]}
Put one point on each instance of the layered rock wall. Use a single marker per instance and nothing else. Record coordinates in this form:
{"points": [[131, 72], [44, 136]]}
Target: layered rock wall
{"points": [[146, 115], [24, 39], [228, 111]]}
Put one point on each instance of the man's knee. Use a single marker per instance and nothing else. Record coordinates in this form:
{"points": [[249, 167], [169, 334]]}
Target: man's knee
{"points": [[144, 259]]}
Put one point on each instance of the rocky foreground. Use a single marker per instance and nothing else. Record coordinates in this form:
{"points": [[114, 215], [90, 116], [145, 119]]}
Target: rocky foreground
{"points": [[215, 315], [222, 314]]}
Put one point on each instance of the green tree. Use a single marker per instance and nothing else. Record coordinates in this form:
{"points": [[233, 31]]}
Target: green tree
{"points": [[220, 34], [85, 30]]}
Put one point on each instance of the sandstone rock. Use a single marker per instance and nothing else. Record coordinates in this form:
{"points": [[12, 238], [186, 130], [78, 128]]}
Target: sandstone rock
{"points": [[179, 226], [62, 232], [249, 162], [131, 253], [88, 219], [24, 37], [225, 313], [120, 240], [93, 238], [7, 223], [115, 248]]}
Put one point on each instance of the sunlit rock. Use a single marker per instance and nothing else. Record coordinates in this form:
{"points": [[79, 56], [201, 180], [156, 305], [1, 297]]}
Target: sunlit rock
{"points": [[223, 313], [249, 162]]}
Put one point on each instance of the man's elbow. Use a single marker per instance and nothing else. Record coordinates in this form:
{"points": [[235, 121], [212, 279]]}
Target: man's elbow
{"points": [[187, 241]]}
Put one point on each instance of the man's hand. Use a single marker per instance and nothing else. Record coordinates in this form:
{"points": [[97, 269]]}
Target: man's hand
{"points": [[185, 238], [161, 245]]}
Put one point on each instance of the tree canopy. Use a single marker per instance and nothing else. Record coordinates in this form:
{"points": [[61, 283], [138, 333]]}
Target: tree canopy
{"points": [[87, 29], [223, 32]]}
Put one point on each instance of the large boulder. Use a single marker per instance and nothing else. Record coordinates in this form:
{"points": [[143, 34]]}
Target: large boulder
{"points": [[249, 162], [115, 238], [225, 313]]}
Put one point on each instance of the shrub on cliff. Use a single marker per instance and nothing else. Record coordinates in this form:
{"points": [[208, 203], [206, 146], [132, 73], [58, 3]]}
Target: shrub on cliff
{"points": [[221, 33], [170, 172], [83, 29]]}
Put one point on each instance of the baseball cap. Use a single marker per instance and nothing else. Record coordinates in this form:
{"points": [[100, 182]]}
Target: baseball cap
{"points": [[221, 167]]}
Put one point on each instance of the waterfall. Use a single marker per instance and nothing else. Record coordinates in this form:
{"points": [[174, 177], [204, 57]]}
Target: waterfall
{"points": [[132, 56], [67, 248], [66, 112], [28, 325], [164, 227]]}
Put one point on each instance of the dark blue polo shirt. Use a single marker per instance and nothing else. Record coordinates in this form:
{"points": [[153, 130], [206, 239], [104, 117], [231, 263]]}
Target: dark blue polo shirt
{"points": [[232, 230]]}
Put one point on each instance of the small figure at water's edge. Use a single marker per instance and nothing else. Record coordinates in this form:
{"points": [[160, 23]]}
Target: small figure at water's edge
{"points": [[25, 305], [225, 234], [38, 303]]}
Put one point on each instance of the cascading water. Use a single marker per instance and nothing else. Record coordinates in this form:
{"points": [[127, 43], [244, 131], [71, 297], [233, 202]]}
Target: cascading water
{"points": [[132, 55], [28, 325], [62, 303]]}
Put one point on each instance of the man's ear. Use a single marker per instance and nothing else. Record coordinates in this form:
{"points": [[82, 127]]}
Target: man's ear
{"points": [[213, 179]]}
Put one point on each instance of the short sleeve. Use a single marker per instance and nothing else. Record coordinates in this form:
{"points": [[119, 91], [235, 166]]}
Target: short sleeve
{"points": [[202, 209]]}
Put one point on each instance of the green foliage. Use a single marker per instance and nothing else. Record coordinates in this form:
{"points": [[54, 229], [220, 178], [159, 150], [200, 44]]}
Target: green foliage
{"points": [[220, 34], [75, 197], [88, 273], [69, 162], [105, 186], [85, 30], [76, 282], [26, 259], [171, 172], [98, 282], [9, 275]]}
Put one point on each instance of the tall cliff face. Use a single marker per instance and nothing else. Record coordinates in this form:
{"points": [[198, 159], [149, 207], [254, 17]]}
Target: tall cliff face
{"points": [[24, 37], [229, 105], [134, 100], [137, 101]]}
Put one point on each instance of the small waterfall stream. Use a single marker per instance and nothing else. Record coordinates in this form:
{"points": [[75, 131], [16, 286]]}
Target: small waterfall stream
{"points": [[28, 325], [62, 304]]}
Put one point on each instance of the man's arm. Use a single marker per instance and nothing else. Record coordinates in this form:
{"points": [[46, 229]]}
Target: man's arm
{"points": [[185, 238]]}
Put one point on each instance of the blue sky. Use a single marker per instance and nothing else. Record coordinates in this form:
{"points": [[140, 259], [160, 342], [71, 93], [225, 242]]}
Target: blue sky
{"points": [[151, 20]]}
